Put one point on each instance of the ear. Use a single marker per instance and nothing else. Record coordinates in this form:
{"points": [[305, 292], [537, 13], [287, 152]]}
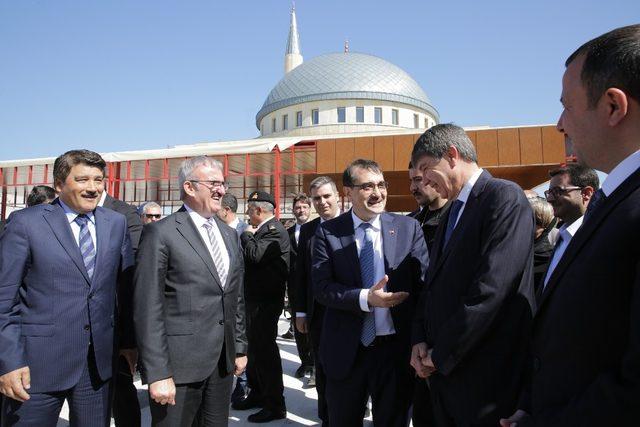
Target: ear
{"points": [[187, 186], [453, 156], [616, 103], [58, 186], [587, 193]]}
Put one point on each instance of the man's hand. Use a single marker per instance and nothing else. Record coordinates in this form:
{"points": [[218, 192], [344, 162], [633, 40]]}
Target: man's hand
{"points": [[378, 297], [241, 365], [251, 229], [15, 383], [421, 360], [131, 356], [302, 325], [163, 391], [512, 421]]}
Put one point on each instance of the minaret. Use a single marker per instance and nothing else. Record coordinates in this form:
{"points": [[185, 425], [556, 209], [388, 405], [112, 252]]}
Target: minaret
{"points": [[292, 57]]}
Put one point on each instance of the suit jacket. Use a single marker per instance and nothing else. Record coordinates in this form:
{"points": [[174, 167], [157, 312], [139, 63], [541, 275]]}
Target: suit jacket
{"points": [[477, 308], [266, 255], [337, 284], [305, 302], [50, 311], [186, 321], [586, 335], [429, 221], [293, 256], [134, 223]]}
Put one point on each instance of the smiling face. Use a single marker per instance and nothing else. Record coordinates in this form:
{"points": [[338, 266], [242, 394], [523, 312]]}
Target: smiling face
{"points": [[301, 211], [439, 175], [367, 204], [82, 188], [325, 201], [201, 196]]}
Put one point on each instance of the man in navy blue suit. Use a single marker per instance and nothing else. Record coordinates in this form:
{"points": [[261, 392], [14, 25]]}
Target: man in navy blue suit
{"points": [[368, 268], [472, 324], [60, 266]]}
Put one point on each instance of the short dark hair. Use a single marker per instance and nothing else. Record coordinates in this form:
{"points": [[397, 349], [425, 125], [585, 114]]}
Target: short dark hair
{"points": [[435, 142], [611, 60], [63, 164], [40, 194], [302, 198], [370, 165], [579, 175], [229, 201]]}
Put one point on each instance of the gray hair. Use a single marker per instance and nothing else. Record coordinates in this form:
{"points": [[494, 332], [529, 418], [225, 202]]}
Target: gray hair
{"points": [[265, 206], [542, 210], [436, 141], [149, 205], [185, 172], [322, 180]]}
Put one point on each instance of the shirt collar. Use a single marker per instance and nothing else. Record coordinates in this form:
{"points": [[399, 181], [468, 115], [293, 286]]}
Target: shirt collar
{"points": [[468, 186], [620, 173], [198, 219], [375, 221], [234, 223], [71, 214], [264, 222], [572, 228], [323, 220]]}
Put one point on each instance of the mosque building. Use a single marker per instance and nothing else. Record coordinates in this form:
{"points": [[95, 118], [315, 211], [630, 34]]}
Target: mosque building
{"points": [[323, 113]]}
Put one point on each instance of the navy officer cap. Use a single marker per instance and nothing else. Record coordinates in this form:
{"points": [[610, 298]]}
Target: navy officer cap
{"points": [[261, 196]]}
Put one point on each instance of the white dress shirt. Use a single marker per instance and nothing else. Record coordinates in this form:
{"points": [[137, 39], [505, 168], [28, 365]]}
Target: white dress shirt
{"points": [[75, 228], [296, 232], [566, 234], [263, 223], [234, 224], [199, 221], [384, 322], [620, 173], [466, 191]]}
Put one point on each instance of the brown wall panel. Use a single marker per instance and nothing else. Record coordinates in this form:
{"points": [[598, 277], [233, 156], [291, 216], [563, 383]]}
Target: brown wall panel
{"points": [[487, 147], [508, 147], [552, 145], [344, 153], [326, 156], [473, 136], [530, 145], [402, 147], [363, 148], [383, 151]]}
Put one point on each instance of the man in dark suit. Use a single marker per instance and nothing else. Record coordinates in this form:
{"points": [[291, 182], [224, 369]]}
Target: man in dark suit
{"points": [[586, 336], [126, 408], [60, 266], [472, 324], [227, 213], [266, 254], [301, 212], [189, 304], [309, 313], [368, 269]]}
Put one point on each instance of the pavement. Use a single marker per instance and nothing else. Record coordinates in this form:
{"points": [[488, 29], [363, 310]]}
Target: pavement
{"points": [[301, 401]]}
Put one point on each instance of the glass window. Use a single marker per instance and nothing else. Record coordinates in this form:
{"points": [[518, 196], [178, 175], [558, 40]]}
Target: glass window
{"points": [[342, 115], [298, 118], [378, 114], [394, 117], [285, 122], [273, 124], [416, 121], [426, 122], [315, 116], [360, 114]]}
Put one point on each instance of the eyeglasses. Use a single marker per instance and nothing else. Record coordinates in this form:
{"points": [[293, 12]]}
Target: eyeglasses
{"points": [[211, 185], [559, 191], [156, 216], [368, 187]]}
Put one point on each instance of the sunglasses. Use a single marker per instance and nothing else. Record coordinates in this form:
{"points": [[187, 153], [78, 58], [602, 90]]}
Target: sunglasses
{"points": [[156, 216]]}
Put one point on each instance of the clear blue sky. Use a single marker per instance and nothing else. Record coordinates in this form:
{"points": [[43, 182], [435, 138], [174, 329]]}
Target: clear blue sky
{"points": [[126, 75]]}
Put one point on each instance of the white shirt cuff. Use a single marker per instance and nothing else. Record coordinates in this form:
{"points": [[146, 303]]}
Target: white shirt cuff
{"points": [[299, 314], [364, 304]]}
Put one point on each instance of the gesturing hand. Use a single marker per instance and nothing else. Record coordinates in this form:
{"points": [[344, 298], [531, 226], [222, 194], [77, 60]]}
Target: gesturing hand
{"points": [[378, 297], [163, 391]]}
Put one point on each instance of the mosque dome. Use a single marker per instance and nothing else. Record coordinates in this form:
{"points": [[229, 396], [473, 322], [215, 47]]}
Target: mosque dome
{"points": [[346, 76]]}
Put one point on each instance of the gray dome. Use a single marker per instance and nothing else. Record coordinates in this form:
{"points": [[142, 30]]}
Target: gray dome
{"points": [[345, 76]]}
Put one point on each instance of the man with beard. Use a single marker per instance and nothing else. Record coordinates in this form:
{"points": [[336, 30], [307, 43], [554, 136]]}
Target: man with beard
{"points": [[309, 313], [368, 269]]}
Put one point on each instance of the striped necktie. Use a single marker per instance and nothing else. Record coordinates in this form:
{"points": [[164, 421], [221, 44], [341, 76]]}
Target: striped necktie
{"points": [[367, 271], [221, 266], [87, 249]]}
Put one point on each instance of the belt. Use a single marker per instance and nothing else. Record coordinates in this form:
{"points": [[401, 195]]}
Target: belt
{"points": [[382, 339]]}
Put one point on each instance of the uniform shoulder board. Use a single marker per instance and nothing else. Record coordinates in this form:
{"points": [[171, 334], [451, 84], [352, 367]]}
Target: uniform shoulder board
{"points": [[272, 227]]}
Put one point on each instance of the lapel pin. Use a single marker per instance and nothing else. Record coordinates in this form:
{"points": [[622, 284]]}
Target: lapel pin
{"points": [[392, 232]]}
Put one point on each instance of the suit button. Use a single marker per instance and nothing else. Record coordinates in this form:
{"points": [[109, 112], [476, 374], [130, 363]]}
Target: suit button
{"points": [[87, 327], [220, 322], [91, 295], [536, 364]]}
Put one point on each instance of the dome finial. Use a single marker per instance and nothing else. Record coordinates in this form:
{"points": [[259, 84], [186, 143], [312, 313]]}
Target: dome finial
{"points": [[346, 46], [292, 57]]}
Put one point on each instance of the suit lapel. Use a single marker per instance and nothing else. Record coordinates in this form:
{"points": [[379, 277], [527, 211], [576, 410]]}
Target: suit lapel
{"points": [[389, 236], [348, 242], [57, 220], [584, 233], [187, 229], [103, 232]]}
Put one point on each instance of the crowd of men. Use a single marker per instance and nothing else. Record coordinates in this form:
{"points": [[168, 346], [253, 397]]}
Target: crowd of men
{"points": [[486, 306]]}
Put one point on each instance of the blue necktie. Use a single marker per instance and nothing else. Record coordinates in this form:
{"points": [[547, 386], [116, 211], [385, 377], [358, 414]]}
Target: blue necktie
{"points": [[598, 198], [451, 223], [368, 333], [86, 245]]}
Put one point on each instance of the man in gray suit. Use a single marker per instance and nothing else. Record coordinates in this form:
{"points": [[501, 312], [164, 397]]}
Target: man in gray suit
{"points": [[189, 304]]}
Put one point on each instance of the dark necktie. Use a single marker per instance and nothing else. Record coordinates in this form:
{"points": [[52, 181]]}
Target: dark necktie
{"points": [[451, 223], [87, 249], [367, 273], [598, 199]]}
